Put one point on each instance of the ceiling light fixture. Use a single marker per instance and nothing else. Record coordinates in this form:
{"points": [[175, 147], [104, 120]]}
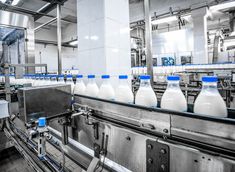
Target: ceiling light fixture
{"points": [[73, 43], [43, 7], [222, 6]]}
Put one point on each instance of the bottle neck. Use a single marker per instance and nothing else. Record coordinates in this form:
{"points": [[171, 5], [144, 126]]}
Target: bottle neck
{"points": [[69, 79], [173, 84], [123, 82], [78, 80], [91, 80], [105, 81], [145, 83], [209, 86]]}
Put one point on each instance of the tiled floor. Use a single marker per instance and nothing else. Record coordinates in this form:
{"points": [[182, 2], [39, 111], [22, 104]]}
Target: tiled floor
{"points": [[12, 161]]}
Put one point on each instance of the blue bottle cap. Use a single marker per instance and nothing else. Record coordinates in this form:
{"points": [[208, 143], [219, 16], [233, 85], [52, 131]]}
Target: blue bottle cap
{"points": [[41, 122], [60, 76], [209, 79], [79, 76], [145, 77], [105, 76], [173, 78], [91, 76], [69, 76], [123, 77]]}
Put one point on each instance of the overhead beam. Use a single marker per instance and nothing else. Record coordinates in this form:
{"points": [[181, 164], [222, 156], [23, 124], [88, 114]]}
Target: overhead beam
{"points": [[148, 39], [59, 39], [17, 9], [48, 8], [45, 24]]}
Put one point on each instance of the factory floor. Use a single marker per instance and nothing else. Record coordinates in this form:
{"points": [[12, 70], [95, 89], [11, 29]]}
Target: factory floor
{"points": [[12, 161]]}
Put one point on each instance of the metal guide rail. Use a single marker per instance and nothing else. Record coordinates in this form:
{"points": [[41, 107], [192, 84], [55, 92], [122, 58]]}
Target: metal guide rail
{"points": [[208, 130]]}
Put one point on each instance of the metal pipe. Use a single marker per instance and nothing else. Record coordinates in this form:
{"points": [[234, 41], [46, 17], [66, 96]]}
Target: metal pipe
{"points": [[148, 39], [59, 38], [7, 83], [8, 34], [10, 8], [45, 24]]}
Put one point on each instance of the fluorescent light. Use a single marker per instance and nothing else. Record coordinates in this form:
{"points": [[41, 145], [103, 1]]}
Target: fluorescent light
{"points": [[44, 6], [187, 17], [73, 43], [229, 43], [233, 33], [15, 2], [94, 37], [222, 6], [164, 20]]}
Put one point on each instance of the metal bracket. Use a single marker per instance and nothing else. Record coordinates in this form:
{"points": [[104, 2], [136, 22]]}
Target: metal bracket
{"points": [[157, 157], [93, 164], [97, 150]]}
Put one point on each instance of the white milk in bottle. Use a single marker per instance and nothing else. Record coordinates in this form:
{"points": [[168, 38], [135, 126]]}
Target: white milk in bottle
{"points": [[61, 79], [79, 87], [173, 98], [106, 89], [145, 96], [123, 92], [53, 79], [70, 82], [47, 80], [209, 100], [91, 88]]}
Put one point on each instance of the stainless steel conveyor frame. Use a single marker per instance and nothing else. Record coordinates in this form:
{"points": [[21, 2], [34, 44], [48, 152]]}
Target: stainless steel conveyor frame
{"points": [[145, 139]]}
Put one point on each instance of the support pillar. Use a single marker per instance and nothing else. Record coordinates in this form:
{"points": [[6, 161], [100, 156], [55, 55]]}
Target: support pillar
{"points": [[200, 54], [59, 38], [148, 39], [103, 38]]}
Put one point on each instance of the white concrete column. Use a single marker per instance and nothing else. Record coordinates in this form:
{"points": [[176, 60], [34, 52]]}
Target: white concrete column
{"points": [[200, 54], [103, 37]]}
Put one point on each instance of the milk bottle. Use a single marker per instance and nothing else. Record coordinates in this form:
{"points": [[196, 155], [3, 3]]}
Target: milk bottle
{"points": [[173, 98], [79, 87], [47, 80], [40, 80], [106, 89], [70, 82], [145, 96], [123, 92], [91, 88], [53, 80], [2, 79], [61, 79], [209, 100], [12, 79]]}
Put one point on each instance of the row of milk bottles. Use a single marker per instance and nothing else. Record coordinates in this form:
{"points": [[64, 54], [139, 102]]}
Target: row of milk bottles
{"points": [[208, 102], [123, 92]]}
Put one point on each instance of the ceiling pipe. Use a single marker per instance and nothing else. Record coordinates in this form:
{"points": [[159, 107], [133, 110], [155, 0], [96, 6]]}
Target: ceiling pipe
{"points": [[174, 12], [10, 8], [54, 43], [48, 8]]}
